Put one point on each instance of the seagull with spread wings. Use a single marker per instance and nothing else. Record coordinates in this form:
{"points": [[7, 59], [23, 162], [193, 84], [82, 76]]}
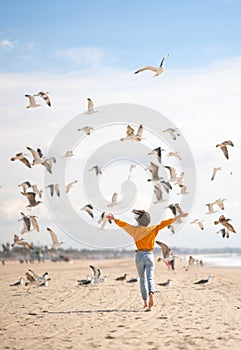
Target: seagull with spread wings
{"points": [[32, 102], [44, 96], [154, 172], [113, 200], [199, 223], [70, 185], [21, 156], [31, 198], [130, 134], [55, 242], [158, 153], [87, 129], [172, 132], [166, 251], [25, 185], [20, 241], [97, 169], [225, 222], [157, 70], [216, 169], [89, 209], [223, 147]]}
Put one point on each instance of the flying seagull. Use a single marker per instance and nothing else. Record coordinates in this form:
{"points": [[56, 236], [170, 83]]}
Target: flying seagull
{"points": [[70, 185], [204, 281], [172, 132], [68, 154], [225, 222], [224, 232], [91, 109], [172, 171], [20, 241], [154, 172], [86, 129], [158, 153], [175, 208], [89, 209], [219, 202], [223, 147], [55, 242], [210, 208], [32, 102], [21, 156], [45, 97], [174, 154], [113, 200], [131, 136], [157, 70], [97, 169], [158, 193], [216, 169], [31, 198], [198, 222], [25, 185], [103, 220], [54, 188], [166, 251], [37, 155]]}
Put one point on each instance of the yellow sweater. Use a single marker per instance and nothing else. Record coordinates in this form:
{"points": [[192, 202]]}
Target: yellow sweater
{"points": [[144, 237]]}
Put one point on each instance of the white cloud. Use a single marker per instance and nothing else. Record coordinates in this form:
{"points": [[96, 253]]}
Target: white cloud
{"points": [[83, 57], [8, 44]]}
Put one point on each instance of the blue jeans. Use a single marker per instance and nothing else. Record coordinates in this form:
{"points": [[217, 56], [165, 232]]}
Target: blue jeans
{"points": [[145, 265]]}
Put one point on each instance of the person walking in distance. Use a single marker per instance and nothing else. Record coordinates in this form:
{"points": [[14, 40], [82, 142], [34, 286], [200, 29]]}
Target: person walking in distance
{"points": [[144, 237]]}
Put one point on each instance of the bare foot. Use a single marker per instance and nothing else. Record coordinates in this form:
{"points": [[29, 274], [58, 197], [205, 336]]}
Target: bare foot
{"points": [[145, 304], [151, 300]]}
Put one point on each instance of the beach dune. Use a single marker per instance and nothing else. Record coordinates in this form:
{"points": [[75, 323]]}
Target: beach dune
{"points": [[109, 315]]}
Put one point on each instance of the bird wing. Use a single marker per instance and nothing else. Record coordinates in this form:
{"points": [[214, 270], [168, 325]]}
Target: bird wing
{"points": [[139, 131], [34, 222], [158, 193], [53, 235], [30, 277], [220, 204], [129, 130], [162, 61], [31, 99], [114, 197], [165, 249], [214, 173], [90, 105], [154, 169], [35, 154], [35, 275], [26, 162], [225, 151], [94, 270], [30, 196], [57, 190], [154, 69], [229, 226], [45, 97], [172, 171]]}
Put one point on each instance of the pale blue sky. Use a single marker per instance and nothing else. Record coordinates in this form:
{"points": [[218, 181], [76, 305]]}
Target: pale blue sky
{"points": [[79, 49], [126, 34]]}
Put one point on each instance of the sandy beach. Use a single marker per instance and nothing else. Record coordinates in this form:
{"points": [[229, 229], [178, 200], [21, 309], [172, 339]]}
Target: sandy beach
{"points": [[109, 315]]}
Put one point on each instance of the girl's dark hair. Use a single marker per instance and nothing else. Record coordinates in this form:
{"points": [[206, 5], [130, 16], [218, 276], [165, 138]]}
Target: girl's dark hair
{"points": [[142, 217]]}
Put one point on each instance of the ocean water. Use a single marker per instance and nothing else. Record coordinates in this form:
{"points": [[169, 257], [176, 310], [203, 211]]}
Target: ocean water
{"points": [[222, 260]]}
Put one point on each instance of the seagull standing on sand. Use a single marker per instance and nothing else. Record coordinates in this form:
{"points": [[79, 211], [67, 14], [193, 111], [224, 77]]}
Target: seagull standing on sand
{"points": [[18, 283], [32, 102], [157, 70], [45, 97], [21, 156], [204, 281], [55, 242], [130, 136], [122, 278], [223, 147], [165, 284]]}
